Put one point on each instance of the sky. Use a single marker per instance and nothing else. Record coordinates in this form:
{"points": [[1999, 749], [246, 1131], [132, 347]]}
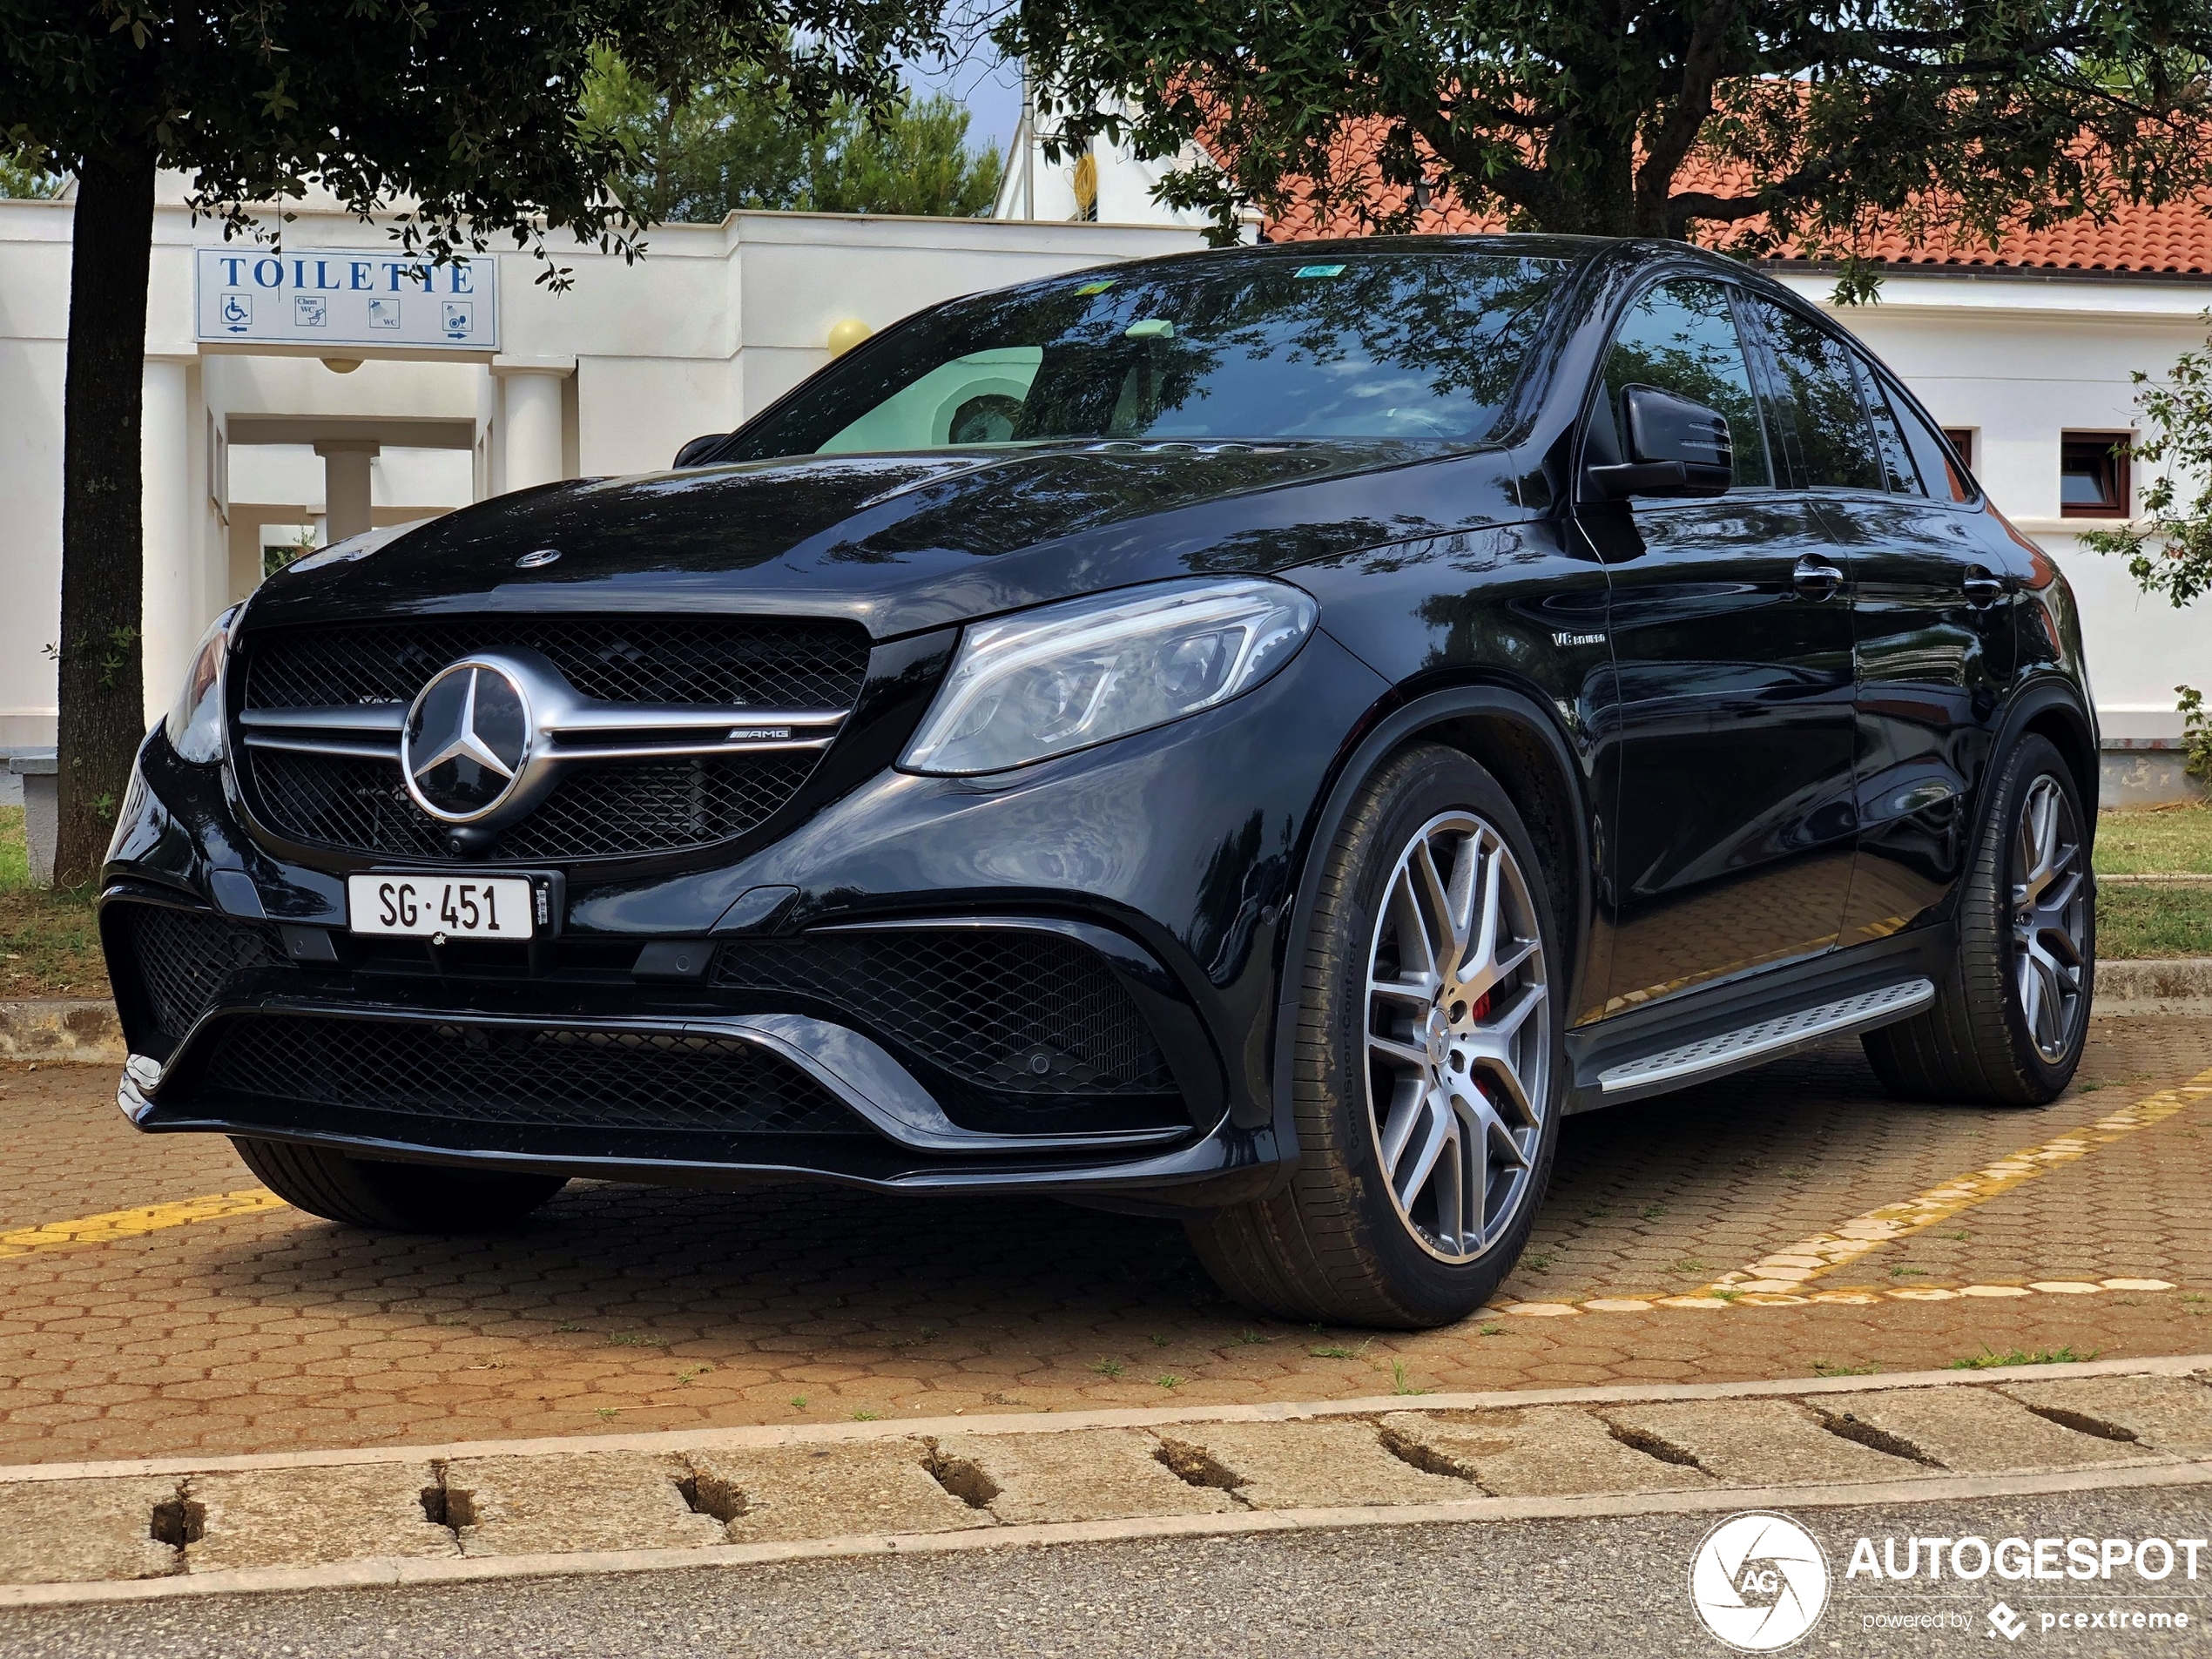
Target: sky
{"points": [[990, 86]]}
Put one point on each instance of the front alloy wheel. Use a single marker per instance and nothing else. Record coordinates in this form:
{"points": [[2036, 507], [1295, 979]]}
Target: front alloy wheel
{"points": [[1458, 1037], [1425, 1063]]}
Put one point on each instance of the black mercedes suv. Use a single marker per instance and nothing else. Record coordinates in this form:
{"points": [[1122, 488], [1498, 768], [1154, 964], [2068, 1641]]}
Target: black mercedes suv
{"points": [[1255, 737]]}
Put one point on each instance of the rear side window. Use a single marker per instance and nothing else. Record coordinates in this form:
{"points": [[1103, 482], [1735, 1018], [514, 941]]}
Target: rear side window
{"points": [[1681, 337], [1825, 426], [1945, 479]]}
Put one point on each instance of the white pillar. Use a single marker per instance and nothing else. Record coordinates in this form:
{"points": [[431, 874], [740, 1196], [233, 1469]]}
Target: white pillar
{"points": [[533, 442], [346, 486], [169, 620]]}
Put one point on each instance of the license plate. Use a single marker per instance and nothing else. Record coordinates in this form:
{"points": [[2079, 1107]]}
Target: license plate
{"points": [[423, 906]]}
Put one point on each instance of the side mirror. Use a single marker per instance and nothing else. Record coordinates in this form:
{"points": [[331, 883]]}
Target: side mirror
{"points": [[1675, 448], [699, 450]]}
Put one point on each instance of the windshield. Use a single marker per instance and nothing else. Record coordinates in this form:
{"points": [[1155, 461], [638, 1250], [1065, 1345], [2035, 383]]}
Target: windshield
{"points": [[1404, 346]]}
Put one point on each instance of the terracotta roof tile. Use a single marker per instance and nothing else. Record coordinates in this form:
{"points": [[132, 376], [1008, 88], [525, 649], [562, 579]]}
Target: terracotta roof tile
{"points": [[2175, 239]]}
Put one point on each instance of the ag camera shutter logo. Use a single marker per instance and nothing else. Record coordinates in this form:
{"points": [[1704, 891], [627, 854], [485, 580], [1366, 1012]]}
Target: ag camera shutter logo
{"points": [[1759, 1581]]}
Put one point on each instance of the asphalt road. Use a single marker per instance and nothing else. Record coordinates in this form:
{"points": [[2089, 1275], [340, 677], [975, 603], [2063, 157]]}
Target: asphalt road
{"points": [[1599, 1589]]}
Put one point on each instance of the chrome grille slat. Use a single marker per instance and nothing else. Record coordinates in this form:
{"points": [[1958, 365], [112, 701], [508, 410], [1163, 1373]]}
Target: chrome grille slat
{"points": [[655, 730]]}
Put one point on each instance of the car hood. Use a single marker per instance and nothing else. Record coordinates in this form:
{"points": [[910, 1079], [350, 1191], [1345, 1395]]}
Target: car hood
{"points": [[905, 542]]}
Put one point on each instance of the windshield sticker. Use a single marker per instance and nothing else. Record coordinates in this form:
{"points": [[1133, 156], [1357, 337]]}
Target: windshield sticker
{"points": [[1319, 270], [1151, 328], [1089, 288]]}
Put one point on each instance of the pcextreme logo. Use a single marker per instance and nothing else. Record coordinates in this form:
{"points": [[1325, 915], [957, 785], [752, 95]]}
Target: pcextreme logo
{"points": [[1759, 1581]]}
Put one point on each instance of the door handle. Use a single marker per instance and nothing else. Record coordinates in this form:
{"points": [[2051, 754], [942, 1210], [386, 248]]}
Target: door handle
{"points": [[1983, 589], [1816, 578]]}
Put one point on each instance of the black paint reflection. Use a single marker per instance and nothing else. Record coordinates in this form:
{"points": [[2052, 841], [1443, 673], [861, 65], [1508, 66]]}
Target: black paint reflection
{"points": [[1733, 842], [1932, 667]]}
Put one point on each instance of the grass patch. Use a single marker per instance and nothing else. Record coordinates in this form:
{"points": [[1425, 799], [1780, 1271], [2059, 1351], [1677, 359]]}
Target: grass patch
{"points": [[2135, 922], [50, 945], [2158, 840], [1989, 1359], [1830, 1368]]}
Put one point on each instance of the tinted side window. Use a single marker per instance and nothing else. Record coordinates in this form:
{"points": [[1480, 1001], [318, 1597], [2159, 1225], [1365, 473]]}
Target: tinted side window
{"points": [[1832, 438], [1889, 437], [1945, 479], [1681, 337]]}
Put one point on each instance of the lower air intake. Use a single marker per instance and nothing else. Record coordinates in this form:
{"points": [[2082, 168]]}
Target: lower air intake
{"points": [[543, 1075], [1004, 1010], [183, 958]]}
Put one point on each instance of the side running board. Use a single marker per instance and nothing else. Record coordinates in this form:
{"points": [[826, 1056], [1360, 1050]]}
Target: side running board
{"points": [[1767, 1040]]}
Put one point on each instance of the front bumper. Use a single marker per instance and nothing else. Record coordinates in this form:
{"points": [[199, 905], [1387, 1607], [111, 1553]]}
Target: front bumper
{"points": [[1168, 859]]}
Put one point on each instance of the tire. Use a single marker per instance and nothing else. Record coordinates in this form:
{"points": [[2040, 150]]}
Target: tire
{"points": [[393, 1197], [1340, 1242], [1984, 1041]]}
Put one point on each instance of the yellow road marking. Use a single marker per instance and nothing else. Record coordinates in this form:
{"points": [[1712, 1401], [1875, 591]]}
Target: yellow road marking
{"points": [[133, 1223], [1785, 1271], [1853, 1298]]}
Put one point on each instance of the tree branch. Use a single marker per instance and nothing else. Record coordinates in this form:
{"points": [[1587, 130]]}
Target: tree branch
{"points": [[1703, 62]]}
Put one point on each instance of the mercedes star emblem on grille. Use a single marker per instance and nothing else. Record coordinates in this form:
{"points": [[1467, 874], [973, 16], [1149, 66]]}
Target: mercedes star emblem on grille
{"points": [[543, 557], [466, 739]]}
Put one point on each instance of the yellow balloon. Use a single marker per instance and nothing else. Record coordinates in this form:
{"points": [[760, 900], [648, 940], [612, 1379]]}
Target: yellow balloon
{"points": [[845, 335]]}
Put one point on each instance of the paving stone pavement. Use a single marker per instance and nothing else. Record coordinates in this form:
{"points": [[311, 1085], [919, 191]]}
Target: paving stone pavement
{"points": [[664, 1500], [623, 1308]]}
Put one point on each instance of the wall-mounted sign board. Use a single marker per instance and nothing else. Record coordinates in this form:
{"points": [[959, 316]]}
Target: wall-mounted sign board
{"points": [[320, 298]]}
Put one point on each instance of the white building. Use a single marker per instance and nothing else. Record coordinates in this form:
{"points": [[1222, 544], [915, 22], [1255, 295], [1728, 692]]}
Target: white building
{"points": [[253, 439]]}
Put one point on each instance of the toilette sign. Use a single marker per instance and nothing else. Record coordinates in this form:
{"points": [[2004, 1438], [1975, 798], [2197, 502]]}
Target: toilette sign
{"points": [[328, 297]]}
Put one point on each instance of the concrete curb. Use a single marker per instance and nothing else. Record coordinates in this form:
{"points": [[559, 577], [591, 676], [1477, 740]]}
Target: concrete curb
{"points": [[82, 1030], [1123, 1417], [393, 1571], [2150, 986], [1323, 1442]]}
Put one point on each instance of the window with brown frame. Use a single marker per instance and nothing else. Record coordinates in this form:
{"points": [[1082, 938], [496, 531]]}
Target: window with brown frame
{"points": [[1961, 438], [2093, 474]]}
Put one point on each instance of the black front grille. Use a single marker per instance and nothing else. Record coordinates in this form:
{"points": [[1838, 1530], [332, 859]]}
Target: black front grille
{"points": [[183, 958], [1006, 1010], [611, 809], [767, 664], [540, 1076]]}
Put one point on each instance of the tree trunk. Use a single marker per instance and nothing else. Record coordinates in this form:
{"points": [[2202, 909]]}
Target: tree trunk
{"points": [[103, 700]]}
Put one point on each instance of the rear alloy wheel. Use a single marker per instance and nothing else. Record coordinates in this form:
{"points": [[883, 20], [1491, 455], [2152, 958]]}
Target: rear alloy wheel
{"points": [[1427, 1064], [2011, 1013], [2050, 919], [393, 1197]]}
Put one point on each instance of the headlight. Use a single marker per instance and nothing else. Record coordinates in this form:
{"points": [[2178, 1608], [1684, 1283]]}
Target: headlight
{"points": [[195, 724], [1064, 676]]}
